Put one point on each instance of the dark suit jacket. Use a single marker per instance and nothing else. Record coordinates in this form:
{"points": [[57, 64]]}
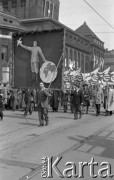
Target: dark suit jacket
{"points": [[77, 97], [42, 98]]}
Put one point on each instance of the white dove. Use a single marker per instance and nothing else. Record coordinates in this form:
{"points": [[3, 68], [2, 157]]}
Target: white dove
{"points": [[19, 42]]}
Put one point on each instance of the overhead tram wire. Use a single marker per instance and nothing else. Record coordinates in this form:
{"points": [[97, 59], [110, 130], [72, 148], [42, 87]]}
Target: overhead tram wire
{"points": [[99, 15], [105, 32]]}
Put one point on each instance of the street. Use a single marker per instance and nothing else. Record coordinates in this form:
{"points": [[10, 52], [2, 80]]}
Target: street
{"points": [[23, 144]]}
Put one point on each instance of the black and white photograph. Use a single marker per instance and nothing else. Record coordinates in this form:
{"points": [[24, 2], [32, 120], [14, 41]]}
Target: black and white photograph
{"points": [[56, 89]]}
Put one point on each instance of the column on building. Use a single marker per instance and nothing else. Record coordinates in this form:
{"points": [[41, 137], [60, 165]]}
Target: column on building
{"points": [[0, 62], [43, 8], [79, 60], [66, 58], [73, 60], [56, 11], [27, 9], [9, 5], [18, 7], [75, 56]]}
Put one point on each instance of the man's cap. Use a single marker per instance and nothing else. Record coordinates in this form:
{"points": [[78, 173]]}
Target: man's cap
{"points": [[85, 84]]}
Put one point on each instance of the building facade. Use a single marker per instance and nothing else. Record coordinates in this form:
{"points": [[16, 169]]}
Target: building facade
{"points": [[77, 47], [8, 24], [82, 46], [96, 46], [25, 9]]}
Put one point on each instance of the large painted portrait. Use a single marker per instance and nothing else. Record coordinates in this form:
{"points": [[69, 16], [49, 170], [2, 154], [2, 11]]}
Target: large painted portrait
{"points": [[36, 57]]}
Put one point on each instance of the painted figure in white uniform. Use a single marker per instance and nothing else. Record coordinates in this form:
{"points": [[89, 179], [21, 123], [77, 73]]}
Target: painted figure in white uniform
{"points": [[35, 53]]}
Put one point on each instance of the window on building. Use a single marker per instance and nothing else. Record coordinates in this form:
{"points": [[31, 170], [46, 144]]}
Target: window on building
{"points": [[14, 4], [23, 3], [94, 40], [5, 20], [66, 57], [43, 7], [71, 54], [10, 21], [75, 57], [49, 9], [79, 60], [5, 5], [82, 63], [5, 74], [4, 55], [78, 40]]}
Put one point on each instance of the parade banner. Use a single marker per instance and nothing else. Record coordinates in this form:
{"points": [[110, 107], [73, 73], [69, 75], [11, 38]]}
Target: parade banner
{"points": [[72, 77], [29, 66]]}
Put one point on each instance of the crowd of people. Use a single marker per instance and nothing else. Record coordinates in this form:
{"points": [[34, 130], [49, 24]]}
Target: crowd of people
{"points": [[79, 98]]}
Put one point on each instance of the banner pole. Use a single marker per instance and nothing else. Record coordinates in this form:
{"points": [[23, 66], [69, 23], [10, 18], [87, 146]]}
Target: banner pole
{"points": [[57, 68], [62, 55]]}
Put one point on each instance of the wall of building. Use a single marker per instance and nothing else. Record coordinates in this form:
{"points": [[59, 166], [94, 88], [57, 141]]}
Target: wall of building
{"points": [[96, 45], [5, 53], [8, 24], [8, 19], [33, 9], [39, 25]]}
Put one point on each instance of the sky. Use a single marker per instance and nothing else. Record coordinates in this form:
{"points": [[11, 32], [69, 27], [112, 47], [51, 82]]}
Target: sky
{"points": [[73, 13]]}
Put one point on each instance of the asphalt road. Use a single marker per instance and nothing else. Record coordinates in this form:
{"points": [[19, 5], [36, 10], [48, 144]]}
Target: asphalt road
{"points": [[23, 144]]}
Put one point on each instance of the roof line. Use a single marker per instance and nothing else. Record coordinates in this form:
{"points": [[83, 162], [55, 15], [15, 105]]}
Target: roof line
{"points": [[13, 27], [56, 22]]}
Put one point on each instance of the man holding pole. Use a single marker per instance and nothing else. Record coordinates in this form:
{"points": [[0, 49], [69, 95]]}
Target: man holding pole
{"points": [[42, 103]]}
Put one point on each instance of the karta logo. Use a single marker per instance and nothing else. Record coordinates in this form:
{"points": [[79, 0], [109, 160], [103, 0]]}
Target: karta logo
{"points": [[106, 77]]}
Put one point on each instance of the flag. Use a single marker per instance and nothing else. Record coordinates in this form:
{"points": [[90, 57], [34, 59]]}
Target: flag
{"points": [[95, 71], [78, 71], [106, 71], [86, 76], [97, 61], [102, 63], [71, 64], [75, 73], [66, 72]]}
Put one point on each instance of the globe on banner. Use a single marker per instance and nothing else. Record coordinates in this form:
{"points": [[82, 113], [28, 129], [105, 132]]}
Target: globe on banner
{"points": [[48, 72]]}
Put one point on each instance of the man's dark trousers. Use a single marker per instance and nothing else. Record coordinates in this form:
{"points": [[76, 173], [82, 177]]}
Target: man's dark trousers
{"points": [[77, 108], [42, 114]]}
